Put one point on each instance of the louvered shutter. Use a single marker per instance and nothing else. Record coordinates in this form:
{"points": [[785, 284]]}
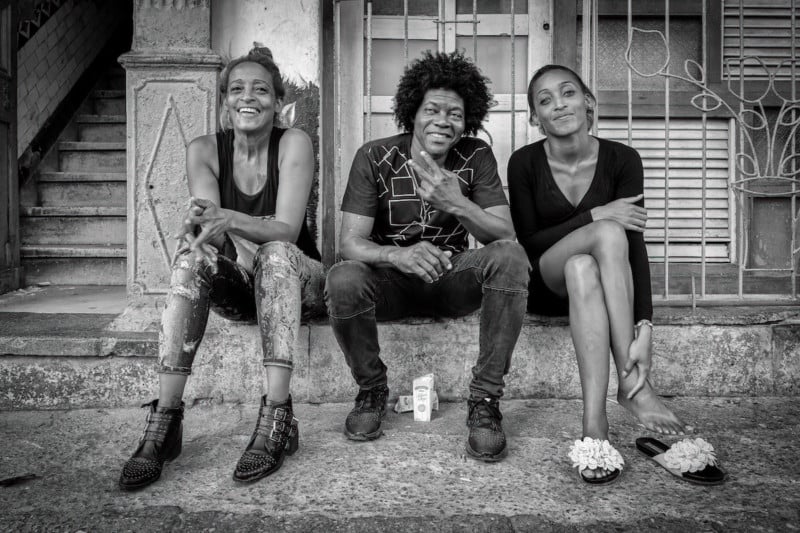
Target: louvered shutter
{"points": [[767, 30], [685, 185]]}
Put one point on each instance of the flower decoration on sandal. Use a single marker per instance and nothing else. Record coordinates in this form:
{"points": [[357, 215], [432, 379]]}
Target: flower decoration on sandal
{"points": [[690, 455], [596, 454], [693, 460]]}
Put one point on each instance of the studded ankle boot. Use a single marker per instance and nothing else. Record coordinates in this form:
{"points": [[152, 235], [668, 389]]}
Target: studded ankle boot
{"points": [[164, 428], [277, 424]]}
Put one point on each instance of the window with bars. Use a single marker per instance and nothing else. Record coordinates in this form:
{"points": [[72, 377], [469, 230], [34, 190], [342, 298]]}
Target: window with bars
{"points": [[687, 158], [762, 29], [702, 208]]}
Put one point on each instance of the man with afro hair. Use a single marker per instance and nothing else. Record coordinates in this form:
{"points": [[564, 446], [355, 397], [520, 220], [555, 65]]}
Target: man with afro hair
{"points": [[411, 202]]}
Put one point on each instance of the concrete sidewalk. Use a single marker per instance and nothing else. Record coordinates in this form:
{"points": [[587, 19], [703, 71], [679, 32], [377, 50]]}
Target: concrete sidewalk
{"points": [[415, 478]]}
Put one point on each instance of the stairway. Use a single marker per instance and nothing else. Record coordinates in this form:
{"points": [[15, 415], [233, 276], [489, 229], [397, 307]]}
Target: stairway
{"points": [[76, 233]]}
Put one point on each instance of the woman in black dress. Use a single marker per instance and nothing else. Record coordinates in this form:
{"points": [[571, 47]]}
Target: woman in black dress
{"points": [[578, 210]]}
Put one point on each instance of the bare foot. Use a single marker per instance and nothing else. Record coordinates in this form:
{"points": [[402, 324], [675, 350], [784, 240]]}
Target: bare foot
{"points": [[651, 411]]}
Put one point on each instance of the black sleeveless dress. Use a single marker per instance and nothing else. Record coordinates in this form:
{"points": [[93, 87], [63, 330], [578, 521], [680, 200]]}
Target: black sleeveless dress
{"points": [[263, 202]]}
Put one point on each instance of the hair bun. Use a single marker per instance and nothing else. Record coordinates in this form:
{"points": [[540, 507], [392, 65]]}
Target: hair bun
{"points": [[259, 50]]}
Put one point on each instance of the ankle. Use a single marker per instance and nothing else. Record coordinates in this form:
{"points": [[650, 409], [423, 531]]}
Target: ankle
{"points": [[277, 399], [596, 428], [170, 403]]}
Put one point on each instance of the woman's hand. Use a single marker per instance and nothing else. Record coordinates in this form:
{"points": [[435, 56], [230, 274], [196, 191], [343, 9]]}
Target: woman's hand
{"points": [[640, 356], [190, 231], [624, 211], [212, 221]]}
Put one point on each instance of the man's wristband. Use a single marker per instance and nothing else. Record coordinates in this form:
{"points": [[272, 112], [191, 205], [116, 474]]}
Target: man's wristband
{"points": [[644, 322]]}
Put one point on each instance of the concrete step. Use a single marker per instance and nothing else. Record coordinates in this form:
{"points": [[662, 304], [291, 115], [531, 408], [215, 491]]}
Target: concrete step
{"points": [[72, 225], [82, 156], [82, 189], [715, 352], [63, 264], [69, 250], [109, 128], [109, 101], [75, 270]]}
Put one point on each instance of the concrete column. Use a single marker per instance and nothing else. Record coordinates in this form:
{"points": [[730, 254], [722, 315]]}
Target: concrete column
{"points": [[171, 93]]}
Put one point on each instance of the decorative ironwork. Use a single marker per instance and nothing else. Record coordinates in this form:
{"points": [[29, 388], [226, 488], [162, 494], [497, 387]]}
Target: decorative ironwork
{"points": [[749, 163], [766, 160]]}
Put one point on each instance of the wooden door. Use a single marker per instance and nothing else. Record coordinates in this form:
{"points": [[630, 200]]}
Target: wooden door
{"points": [[10, 271]]}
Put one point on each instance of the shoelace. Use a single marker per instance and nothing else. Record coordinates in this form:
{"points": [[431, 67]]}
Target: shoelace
{"points": [[484, 413], [371, 398]]}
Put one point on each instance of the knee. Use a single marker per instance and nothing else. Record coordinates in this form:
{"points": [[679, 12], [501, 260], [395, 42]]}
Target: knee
{"points": [[510, 260], [187, 272], [346, 285], [582, 275], [610, 239], [277, 255]]}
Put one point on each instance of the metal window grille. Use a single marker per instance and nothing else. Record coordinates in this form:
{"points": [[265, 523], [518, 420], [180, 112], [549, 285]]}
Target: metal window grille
{"points": [[720, 185]]}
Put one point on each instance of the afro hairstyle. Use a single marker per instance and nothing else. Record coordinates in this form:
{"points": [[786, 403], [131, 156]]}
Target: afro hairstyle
{"points": [[438, 70]]}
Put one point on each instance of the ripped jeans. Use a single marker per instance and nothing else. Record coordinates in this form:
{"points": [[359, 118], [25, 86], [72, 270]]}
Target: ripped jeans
{"points": [[286, 287]]}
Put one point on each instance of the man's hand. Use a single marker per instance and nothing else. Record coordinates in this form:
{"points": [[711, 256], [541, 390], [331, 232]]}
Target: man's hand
{"points": [[437, 186], [422, 259], [623, 210]]}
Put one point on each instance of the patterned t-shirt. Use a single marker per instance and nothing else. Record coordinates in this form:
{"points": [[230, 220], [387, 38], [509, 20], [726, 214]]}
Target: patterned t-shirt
{"points": [[383, 186]]}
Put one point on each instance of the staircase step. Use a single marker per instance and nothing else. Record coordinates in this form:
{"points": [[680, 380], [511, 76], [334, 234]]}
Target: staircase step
{"points": [[75, 270], [97, 130], [72, 225], [108, 102], [73, 189], [735, 352], [68, 177], [109, 93], [82, 156], [101, 119], [93, 146], [70, 335], [84, 211], [29, 251]]}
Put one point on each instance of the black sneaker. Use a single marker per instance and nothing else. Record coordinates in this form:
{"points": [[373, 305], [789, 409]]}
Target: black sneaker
{"points": [[364, 421], [486, 441]]}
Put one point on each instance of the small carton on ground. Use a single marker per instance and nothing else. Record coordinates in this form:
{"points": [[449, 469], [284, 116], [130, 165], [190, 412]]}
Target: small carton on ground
{"points": [[405, 404], [423, 398]]}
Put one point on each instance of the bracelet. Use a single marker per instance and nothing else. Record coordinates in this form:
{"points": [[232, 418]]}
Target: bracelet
{"points": [[644, 322]]}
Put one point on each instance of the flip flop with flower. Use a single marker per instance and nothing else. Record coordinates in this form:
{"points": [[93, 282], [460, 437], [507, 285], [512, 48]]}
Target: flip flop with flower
{"points": [[594, 454], [693, 460]]}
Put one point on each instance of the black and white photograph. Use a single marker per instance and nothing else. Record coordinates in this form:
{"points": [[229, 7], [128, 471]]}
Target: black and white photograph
{"points": [[399, 266]]}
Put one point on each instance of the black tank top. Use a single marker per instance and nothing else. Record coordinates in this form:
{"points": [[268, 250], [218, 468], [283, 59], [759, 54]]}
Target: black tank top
{"points": [[263, 202]]}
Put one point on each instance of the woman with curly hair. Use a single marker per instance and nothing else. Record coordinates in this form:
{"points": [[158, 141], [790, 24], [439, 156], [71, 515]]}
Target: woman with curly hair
{"points": [[246, 252], [578, 209], [411, 200]]}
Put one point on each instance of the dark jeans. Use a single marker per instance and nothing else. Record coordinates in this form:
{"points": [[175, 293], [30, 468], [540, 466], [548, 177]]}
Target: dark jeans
{"points": [[494, 278]]}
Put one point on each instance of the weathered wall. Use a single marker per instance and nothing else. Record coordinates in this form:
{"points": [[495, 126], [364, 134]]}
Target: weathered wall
{"points": [[171, 99], [291, 29], [54, 58]]}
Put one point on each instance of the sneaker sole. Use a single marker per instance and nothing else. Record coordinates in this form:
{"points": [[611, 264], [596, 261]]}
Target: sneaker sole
{"points": [[485, 457], [361, 437]]}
